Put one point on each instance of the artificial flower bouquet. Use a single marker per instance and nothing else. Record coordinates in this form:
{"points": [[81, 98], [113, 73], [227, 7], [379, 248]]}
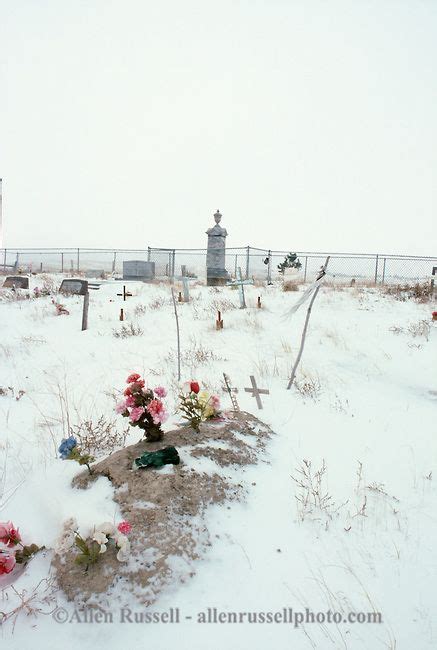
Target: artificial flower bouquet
{"points": [[144, 407], [198, 405], [12, 549], [68, 450], [95, 544]]}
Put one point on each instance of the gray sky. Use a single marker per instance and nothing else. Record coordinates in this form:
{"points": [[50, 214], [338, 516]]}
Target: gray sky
{"points": [[310, 124]]}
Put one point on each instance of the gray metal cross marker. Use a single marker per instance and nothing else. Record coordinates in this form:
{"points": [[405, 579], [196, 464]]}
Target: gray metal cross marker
{"points": [[256, 392], [185, 279], [240, 284], [229, 389]]}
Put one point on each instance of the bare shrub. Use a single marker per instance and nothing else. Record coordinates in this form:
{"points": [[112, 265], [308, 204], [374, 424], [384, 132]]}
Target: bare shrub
{"points": [[421, 291], [97, 437], [308, 387], [313, 499], [140, 309], [126, 331], [290, 285], [196, 355], [48, 284], [159, 302], [10, 390], [222, 305], [421, 328]]}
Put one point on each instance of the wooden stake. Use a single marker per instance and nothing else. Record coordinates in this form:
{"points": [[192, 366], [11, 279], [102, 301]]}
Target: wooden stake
{"points": [[180, 299], [121, 314], [219, 321], [86, 304], [258, 304]]}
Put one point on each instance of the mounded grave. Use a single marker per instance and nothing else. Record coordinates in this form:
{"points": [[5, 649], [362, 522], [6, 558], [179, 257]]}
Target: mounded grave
{"points": [[167, 508]]}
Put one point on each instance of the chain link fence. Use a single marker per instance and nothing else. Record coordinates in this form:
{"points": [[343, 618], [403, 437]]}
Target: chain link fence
{"points": [[260, 264]]}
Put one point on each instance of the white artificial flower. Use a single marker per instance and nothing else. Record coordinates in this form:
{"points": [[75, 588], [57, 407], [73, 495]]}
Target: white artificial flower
{"points": [[120, 539], [101, 539], [67, 538], [186, 388], [124, 552], [107, 528]]}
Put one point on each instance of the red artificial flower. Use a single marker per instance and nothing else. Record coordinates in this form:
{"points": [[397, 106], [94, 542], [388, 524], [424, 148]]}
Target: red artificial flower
{"points": [[194, 387], [133, 377], [9, 535], [137, 385], [127, 391], [124, 527]]}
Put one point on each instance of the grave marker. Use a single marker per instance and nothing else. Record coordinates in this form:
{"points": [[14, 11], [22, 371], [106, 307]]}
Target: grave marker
{"points": [[138, 270], [185, 280], [240, 284], [125, 294], [74, 286], [86, 304], [256, 392], [219, 321], [228, 388], [16, 282]]}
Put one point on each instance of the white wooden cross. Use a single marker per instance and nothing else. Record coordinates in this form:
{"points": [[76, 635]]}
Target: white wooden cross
{"points": [[240, 284], [256, 392]]}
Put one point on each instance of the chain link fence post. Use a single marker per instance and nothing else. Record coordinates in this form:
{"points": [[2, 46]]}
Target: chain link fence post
{"points": [[376, 269], [305, 269], [247, 262]]}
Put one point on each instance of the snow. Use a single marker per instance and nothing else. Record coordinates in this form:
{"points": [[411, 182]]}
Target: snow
{"points": [[368, 399]]}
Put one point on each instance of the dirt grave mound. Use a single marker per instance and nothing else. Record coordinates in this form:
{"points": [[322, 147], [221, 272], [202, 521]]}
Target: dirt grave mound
{"points": [[165, 507]]}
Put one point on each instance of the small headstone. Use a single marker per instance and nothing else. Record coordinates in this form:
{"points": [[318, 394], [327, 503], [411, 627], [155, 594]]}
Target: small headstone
{"points": [[138, 270], [16, 282], [74, 286], [95, 273]]}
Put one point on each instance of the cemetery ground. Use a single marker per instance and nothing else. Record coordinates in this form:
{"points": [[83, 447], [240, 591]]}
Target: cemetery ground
{"points": [[329, 506]]}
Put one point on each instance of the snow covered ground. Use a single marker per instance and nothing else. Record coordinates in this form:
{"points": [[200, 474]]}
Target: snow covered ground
{"points": [[365, 404]]}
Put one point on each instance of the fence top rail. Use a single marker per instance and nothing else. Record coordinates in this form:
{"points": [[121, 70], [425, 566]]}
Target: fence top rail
{"points": [[202, 251]]}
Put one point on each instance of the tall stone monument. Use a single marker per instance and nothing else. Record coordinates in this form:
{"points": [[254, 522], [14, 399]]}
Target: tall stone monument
{"points": [[216, 273]]}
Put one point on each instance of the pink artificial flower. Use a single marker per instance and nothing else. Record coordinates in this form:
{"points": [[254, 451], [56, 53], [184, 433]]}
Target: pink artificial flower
{"points": [[9, 535], [7, 562], [124, 527], [133, 377], [120, 407], [160, 391], [157, 411], [215, 402], [130, 401], [136, 413]]}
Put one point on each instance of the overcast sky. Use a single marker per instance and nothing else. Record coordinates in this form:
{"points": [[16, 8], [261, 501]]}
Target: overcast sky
{"points": [[310, 124]]}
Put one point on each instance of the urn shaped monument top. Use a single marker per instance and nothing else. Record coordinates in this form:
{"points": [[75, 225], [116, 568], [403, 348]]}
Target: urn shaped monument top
{"points": [[217, 230]]}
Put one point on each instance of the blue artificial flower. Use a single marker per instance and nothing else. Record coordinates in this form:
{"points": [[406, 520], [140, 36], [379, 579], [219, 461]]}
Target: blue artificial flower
{"points": [[67, 446]]}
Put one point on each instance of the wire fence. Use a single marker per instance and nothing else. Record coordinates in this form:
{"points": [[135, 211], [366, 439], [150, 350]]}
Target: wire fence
{"points": [[261, 264]]}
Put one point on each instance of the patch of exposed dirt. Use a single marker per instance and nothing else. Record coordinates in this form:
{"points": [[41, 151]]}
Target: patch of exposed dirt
{"points": [[167, 510]]}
